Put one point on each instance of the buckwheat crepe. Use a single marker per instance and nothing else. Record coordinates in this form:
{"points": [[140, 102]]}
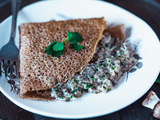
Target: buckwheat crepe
{"points": [[39, 71]]}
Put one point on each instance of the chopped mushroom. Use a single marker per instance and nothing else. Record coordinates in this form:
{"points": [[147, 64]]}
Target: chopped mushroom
{"points": [[153, 102], [156, 110]]}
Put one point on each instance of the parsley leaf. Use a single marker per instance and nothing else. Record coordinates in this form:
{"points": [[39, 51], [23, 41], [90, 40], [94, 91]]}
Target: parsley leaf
{"points": [[76, 47], [49, 49], [58, 46], [56, 49], [57, 53], [73, 37], [102, 63]]}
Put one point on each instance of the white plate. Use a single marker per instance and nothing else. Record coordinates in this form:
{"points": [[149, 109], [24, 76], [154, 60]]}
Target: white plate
{"points": [[90, 105]]}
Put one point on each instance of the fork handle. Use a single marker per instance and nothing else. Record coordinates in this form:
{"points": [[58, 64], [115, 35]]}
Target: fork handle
{"points": [[15, 7]]}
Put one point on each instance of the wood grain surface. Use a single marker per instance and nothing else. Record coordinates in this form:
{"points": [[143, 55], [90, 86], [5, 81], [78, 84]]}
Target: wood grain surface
{"points": [[149, 11]]}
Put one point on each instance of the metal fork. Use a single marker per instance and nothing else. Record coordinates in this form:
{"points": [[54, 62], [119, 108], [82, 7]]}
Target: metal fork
{"points": [[9, 53]]}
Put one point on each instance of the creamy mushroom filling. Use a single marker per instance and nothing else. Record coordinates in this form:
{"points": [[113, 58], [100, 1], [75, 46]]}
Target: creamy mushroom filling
{"points": [[109, 63]]}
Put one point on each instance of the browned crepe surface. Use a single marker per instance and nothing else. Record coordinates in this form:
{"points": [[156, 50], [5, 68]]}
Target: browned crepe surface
{"points": [[117, 32], [37, 69]]}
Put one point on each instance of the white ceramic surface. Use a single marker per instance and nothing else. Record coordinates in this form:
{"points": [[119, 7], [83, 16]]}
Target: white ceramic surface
{"points": [[90, 105]]}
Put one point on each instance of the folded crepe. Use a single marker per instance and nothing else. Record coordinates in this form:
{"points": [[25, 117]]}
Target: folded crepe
{"points": [[39, 71], [117, 32]]}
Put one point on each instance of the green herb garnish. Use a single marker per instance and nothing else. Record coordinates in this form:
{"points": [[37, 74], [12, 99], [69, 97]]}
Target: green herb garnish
{"points": [[58, 46], [61, 97], [108, 89], [90, 77], [74, 91], [56, 49], [56, 54], [73, 37], [49, 49], [56, 83], [112, 68], [102, 63], [93, 87], [88, 86], [56, 91], [84, 82], [76, 47], [71, 96], [77, 81], [158, 80]]}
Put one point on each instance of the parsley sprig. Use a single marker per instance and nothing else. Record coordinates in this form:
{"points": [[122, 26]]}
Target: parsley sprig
{"points": [[56, 49]]}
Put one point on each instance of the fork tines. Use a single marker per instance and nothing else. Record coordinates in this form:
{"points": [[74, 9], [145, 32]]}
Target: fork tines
{"points": [[9, 68]]}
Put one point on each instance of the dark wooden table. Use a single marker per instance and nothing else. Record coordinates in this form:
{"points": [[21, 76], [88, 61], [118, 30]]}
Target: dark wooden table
{"points": [[149, 11]]}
